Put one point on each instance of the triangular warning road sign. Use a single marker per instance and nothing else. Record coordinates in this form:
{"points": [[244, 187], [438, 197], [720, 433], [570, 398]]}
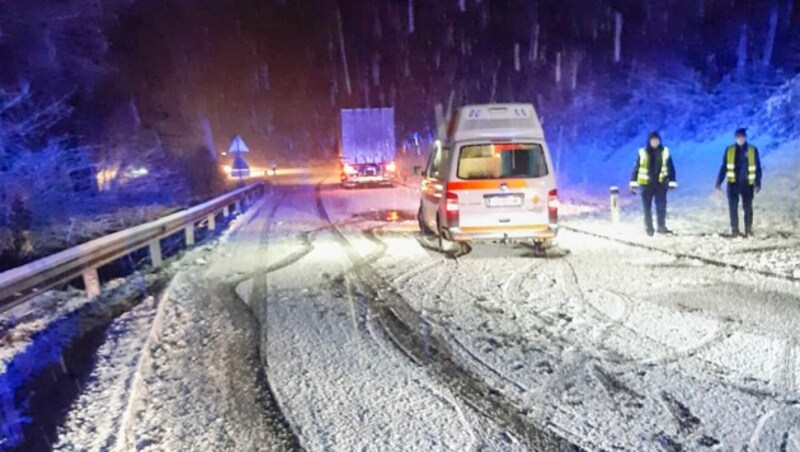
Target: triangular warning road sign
{"points": [[237, 145]]}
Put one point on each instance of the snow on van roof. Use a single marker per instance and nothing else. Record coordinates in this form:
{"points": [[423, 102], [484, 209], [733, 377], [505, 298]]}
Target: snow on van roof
{"points": [[477, 122]]}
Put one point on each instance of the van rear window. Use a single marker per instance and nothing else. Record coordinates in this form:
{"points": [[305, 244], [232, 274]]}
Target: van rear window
{"points": [[501, 161]]}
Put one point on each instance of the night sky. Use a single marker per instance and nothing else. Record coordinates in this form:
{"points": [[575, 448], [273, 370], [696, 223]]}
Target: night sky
{"points": [[144, 74]]}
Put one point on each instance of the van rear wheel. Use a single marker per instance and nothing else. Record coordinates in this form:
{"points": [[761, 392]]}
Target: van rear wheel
{"points": [[440, 235], [423, 228], [446, 245]]}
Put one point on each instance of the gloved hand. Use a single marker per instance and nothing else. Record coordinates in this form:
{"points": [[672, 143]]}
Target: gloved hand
{"points": [[672, 185], [633, 190], [758, 189], [718, 187]]}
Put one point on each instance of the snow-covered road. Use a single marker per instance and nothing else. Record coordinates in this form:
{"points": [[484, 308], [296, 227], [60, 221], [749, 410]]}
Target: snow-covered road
{"points": [[340, 382], [372, 340], [611, 346]]}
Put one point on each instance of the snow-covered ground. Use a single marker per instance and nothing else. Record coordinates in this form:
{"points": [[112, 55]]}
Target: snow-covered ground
{"points": [[187, 376], [614, 345], [323, 321], [699, 216], [697, 213], [619, 353], [340, 383], [20, 324]]}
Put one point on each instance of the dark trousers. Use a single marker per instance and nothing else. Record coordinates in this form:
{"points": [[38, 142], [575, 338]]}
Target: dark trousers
{"points": [[746, 192], [659, 193]]}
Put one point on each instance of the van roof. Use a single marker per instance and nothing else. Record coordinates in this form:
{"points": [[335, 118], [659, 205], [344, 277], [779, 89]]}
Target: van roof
{"points": [[476, 122]]}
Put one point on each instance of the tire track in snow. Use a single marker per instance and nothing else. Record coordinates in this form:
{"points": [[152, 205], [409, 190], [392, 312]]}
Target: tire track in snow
{"points": [[124, 437], [449, 268], [679, 411], [413, 273], [613, 324], [790, 368], [715, 338], [380, 339], [456, 268], [686, 256], [626, 398], [397, 319], [516, 276], [123, 428]]}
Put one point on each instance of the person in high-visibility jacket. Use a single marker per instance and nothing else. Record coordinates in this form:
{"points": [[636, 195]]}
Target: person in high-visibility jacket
{"points": [[654, 173], [741, 168]]}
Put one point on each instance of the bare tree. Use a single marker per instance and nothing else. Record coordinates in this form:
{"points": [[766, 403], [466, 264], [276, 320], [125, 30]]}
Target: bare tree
{"points": [[617, 37], [741, 53], [769, 44], [35, 168]]}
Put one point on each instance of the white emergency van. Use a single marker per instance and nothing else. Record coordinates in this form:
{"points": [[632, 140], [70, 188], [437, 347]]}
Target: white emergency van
{"points": [[492, 179]]}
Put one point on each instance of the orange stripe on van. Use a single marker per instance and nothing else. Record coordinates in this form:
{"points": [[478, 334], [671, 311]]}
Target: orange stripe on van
{"points": [[485, 184]]}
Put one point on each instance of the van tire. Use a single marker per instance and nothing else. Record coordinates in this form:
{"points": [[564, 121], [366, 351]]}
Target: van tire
{"points": [[440, 234], [423, 228]]}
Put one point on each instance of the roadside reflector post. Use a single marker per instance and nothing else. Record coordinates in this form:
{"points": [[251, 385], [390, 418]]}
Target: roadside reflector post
{"points": [[212, 222], [615, 205], [91, 282], [155, 253], [190, 234], [238, 208], [225, 211]]}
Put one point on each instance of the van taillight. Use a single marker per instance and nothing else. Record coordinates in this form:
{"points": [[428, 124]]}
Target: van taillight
{"points": [[552, 206], [452, 202], [452, 209]]}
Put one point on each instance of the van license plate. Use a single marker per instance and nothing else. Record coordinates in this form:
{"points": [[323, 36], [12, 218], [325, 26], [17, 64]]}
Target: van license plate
{"points": [[503, 200]]}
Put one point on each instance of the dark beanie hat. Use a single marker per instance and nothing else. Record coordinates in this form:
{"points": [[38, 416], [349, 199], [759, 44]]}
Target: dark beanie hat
{"points": [[742, 131], [653, 135]]}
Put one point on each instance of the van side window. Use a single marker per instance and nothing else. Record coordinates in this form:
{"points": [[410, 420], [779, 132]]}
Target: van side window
{"points": [[429, 166]]}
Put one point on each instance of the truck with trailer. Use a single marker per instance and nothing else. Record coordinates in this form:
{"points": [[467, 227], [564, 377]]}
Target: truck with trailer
{"points": [[367, 147]]}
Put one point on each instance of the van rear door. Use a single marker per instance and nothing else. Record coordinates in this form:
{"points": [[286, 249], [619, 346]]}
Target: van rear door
{"points": [[502, 187]]}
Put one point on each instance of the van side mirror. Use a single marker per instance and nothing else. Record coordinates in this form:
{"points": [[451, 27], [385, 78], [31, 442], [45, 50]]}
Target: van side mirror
{"points": [[418, 170]]}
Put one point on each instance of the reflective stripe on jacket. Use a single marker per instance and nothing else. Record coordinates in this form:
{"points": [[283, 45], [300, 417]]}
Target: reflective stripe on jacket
{"points": [[730, 165], [643, 174]]}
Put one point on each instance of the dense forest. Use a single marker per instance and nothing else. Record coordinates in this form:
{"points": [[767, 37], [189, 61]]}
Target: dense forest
{"points": [[133, 100]]}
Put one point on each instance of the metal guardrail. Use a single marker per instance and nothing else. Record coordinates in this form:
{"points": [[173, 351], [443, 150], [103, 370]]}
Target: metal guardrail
{"points": [[20, 284]]}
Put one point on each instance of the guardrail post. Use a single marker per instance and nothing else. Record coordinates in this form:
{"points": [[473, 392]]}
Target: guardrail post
{"points": [[190, 234], [212, 222], [238, 206], [155, 253], [614, 205], [91, 282], [226, 211]]}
